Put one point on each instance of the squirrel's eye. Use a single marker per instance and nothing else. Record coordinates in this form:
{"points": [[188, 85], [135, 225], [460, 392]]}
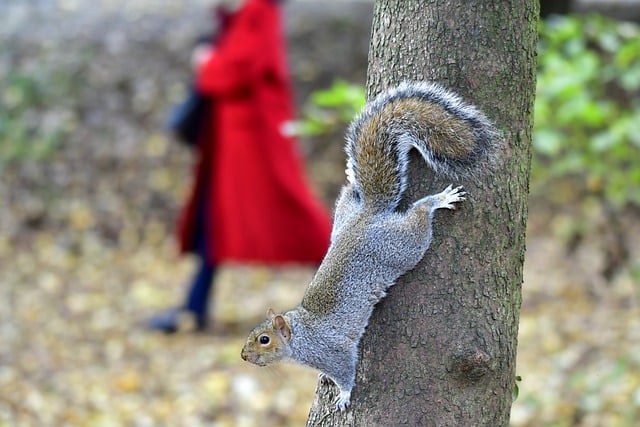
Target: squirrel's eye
{"points": [[264, 339]]}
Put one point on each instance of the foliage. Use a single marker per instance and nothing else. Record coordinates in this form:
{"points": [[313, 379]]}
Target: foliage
{"points": [[516, 388], [329, 109], [30, 126], [587, 117]]}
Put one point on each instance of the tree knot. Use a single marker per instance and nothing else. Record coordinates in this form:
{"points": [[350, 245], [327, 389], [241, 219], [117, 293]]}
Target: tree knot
{"points": [[472, 365]]}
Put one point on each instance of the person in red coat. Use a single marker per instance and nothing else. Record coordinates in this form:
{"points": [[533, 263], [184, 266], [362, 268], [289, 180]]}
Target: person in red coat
{"points": [[250, 202]]}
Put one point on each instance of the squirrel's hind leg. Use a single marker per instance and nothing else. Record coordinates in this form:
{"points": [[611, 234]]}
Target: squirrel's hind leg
{"points": [[418, 220], [428, 205], [448, 197], [347, 206]]}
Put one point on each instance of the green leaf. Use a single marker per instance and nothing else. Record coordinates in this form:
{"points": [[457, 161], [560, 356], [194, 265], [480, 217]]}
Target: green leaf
{"points": [[516, 389], [547, 142]]}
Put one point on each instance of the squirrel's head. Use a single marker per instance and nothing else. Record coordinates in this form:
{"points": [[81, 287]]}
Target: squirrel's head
{"points": [[269, 341]]}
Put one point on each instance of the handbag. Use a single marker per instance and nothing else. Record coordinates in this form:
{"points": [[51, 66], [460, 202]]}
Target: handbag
{"points": [[186, 118]]}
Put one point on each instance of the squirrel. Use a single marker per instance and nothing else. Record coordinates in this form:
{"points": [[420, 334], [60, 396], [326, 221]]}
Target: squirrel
{"points": [[372, 241]]}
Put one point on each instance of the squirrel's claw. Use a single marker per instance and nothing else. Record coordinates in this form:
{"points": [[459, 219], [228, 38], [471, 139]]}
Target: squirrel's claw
{"points": [[343, 400], [449, 196]]}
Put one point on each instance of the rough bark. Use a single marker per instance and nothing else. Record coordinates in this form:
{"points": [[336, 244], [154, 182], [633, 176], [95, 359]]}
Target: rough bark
{"points": [[440, 350]]}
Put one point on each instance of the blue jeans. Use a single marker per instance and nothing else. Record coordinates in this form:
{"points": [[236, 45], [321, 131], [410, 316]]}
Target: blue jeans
{"points": [[198, 295]]}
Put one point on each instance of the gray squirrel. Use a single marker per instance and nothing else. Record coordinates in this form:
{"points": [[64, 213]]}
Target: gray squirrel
{"points": [[372, 241]]}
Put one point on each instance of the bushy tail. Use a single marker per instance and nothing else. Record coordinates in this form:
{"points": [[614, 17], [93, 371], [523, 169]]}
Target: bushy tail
{"points": [[455, 139]]}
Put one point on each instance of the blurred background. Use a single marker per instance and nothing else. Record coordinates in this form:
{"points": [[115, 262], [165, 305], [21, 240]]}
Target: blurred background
{"points": [[91, 184]]}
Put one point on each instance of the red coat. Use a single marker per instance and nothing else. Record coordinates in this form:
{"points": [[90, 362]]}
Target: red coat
{"points": [[259, 207]]}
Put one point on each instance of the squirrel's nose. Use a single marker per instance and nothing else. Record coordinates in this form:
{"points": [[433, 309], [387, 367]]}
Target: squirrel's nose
{"points": [[249, 356]]}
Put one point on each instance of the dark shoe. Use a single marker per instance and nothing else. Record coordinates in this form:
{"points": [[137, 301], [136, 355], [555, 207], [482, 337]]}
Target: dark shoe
{"points": [[177, 319]]}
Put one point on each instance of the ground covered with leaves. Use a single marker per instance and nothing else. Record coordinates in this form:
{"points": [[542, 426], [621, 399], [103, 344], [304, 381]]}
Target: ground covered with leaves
{"points": [[89, 193], [74, 351]]}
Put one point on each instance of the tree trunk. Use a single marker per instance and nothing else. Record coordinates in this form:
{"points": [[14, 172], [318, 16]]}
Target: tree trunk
{"points": [[440, 350]]}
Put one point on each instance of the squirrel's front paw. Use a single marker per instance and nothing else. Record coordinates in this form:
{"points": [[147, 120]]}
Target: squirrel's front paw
{"points": [[343, 400], [449, 196]]}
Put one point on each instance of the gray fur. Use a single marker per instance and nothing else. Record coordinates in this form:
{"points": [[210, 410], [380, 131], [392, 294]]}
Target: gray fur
{"points": [[488, 142], [371, 246]]}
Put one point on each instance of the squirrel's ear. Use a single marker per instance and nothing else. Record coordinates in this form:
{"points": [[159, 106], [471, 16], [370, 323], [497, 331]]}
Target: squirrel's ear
{"points": [[280, 325], [270, 314]]}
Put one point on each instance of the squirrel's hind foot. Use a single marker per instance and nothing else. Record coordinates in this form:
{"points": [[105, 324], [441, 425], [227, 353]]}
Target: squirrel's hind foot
{"points": [[449, 196]]}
